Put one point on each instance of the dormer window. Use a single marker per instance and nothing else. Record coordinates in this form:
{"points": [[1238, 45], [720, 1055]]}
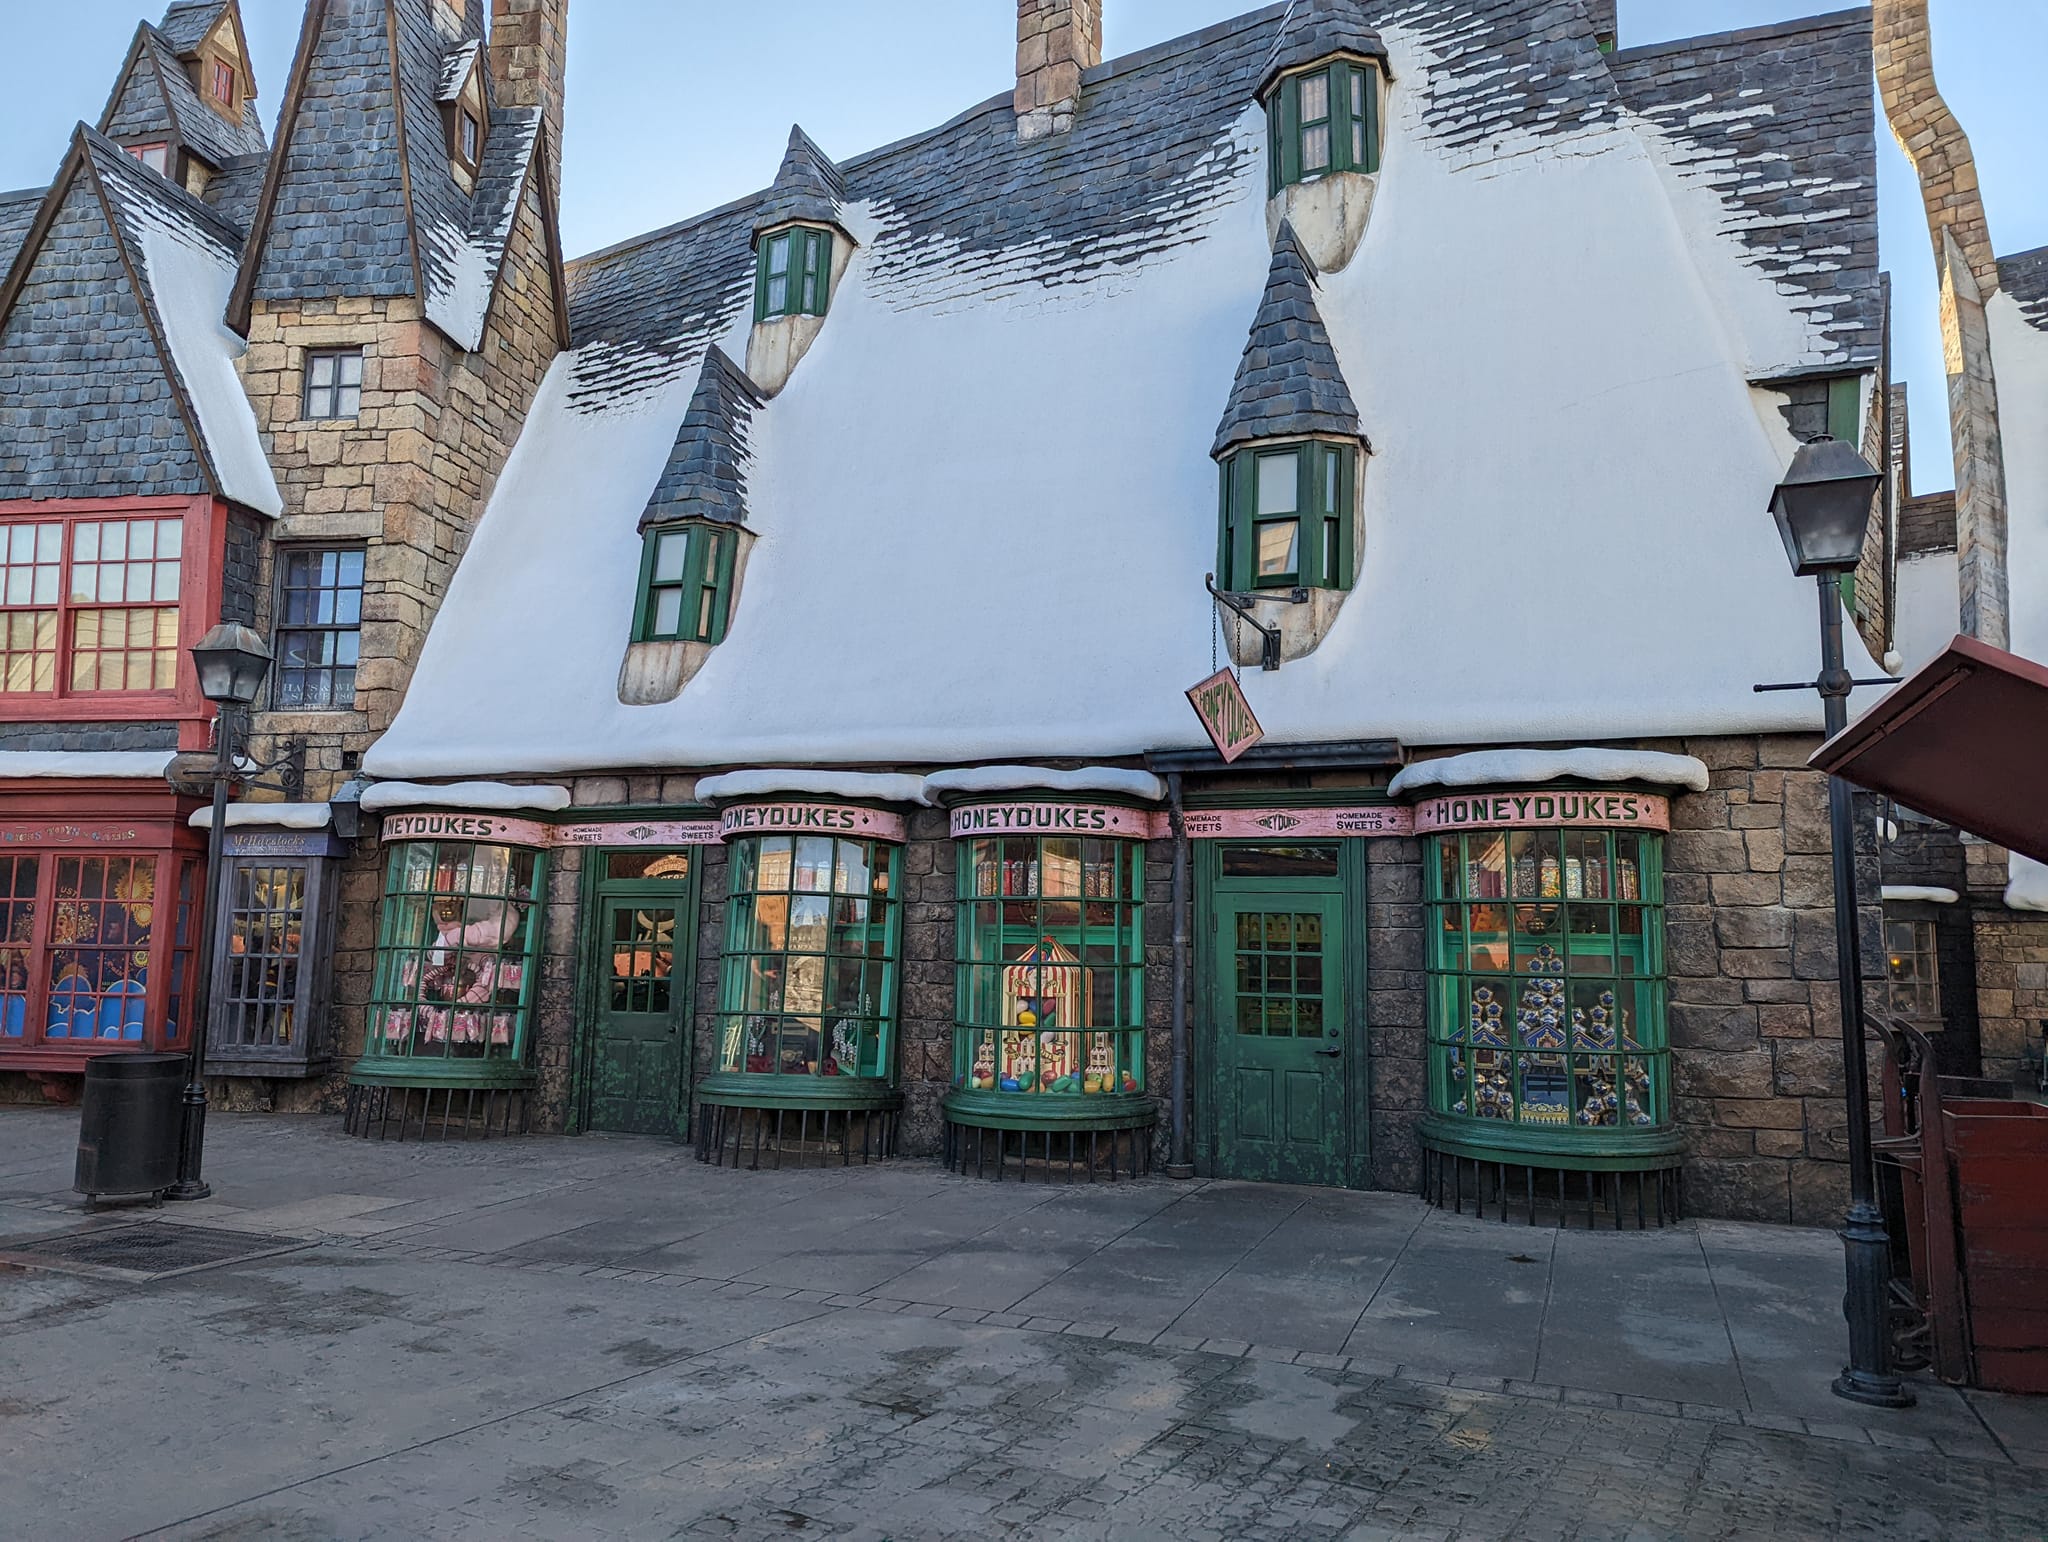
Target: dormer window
{"points": [[685, 583], [220, 85], [156, 157], [1287, 517], [793, 273], [1323, 120], [469, 138]]}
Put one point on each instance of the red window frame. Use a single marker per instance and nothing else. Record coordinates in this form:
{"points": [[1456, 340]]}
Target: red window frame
{"points": [[203, 551], [221, 84], [97, 822], [143, 152]]}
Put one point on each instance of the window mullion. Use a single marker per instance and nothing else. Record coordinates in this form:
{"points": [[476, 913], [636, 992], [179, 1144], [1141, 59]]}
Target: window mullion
{"points": [[1290, 129], [1308, 528], [1340, 117]]}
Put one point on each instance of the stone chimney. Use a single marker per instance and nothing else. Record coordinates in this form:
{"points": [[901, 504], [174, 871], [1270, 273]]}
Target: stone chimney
{"points": [[1056, 41], [529, 53]]}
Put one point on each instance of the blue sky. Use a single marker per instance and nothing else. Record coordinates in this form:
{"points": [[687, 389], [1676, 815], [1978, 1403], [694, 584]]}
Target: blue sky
{"points": [[676, 106]]}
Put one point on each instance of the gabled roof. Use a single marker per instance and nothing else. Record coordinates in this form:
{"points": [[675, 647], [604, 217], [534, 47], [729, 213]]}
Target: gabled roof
{"points": [[1316, 29], [114, 366], [155, 96], [807, 186], [456, 66], [187, 22], [1289, 381], [363, 110], [1017, 395], [706, 475]]}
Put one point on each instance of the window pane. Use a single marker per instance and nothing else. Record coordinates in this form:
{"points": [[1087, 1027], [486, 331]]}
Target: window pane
{"points": [[1279, 542], [778, 255], [1315, 148], [1315, 98], [668, 612], [671, 550], [778, 295], [85, 542], [1278, 490], [320, 369]]}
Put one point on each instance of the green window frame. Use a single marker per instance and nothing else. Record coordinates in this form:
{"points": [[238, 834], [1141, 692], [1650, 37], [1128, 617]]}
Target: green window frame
{"points": [[1051, 967], [1287, 516], [1322, 120], [456, 937], [808, 982], [1547, 998], [793, 273], [685, 583]]}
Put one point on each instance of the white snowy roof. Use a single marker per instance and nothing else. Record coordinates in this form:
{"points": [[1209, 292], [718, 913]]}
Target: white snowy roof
{"points": [[496, 796], [1116, 779], [267, 816], [1492, 768], [78, 764], [884, 786], [1924, 892], [984, 502]]}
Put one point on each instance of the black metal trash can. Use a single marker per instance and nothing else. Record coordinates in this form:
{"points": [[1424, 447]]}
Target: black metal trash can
{"points": [[128, 1125]]}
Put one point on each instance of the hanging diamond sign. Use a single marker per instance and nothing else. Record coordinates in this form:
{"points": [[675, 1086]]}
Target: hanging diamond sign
{"points": [[1226, 716]]}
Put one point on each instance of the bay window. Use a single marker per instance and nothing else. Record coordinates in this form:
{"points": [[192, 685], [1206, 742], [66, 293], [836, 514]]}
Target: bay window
{"points": [[808, 982], [1323, 120], [793, 273], [1286, 518], [686, 574]]}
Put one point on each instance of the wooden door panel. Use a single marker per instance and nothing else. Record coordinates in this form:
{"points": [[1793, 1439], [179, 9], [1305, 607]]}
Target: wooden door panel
{"points": [[638, 1046]]}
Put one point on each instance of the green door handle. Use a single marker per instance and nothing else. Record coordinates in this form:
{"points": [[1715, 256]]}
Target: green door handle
{"points": [[1332, 1050]]}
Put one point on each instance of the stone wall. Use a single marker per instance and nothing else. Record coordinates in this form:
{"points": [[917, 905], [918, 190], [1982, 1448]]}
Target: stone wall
{"points": [[1750, 952], [407, 479], [2011, 949], [1397, 1004]]}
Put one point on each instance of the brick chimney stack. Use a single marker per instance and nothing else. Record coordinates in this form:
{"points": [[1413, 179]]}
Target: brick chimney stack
{"points": [[529, 53], [1056, 41]]}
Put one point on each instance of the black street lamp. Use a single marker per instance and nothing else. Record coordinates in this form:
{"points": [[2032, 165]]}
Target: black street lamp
{"points": [[1823, 508], [232, 661]]}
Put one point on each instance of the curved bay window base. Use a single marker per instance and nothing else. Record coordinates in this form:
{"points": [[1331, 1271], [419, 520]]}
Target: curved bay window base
{"points": [[988, 1136], [472, 1112], [795, 1133], [1618, 1188]]}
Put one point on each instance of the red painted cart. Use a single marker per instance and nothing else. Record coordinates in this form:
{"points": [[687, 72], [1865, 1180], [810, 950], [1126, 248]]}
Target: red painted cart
{"points": [[1972, 1211]]}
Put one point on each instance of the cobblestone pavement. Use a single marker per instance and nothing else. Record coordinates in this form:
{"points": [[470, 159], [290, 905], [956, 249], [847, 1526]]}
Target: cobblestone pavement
{"points": [[484, 1341]]}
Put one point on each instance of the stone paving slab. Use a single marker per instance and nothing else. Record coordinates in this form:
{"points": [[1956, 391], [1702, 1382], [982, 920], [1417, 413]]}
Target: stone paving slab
{"points": [[489, 1370]]}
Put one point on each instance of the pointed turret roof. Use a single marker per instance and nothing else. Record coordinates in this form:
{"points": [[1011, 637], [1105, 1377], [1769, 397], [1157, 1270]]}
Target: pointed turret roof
{"points": [[808, 186], [1316, 29], [1289, 381], [363, 97], [706, 475]]}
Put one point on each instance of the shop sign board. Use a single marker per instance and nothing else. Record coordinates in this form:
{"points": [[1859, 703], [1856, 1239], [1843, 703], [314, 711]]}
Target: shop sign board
{"points": [[1226, 716], [281, 843], [87, 833], [504, 831], [1298, 824], [846, 819], [1495, 810], [1033, 818]]}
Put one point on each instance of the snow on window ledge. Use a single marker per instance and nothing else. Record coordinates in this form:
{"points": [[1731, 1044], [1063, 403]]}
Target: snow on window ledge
{"points": [[1112, 779], [85, 763], [498, 797], [1485, 768], [267, 816], [1905, 892], [885, 787]]}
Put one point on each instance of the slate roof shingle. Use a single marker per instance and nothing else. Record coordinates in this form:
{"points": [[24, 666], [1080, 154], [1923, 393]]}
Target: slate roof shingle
{"points": [[2024, 276], [1289, 381], [1316, 29], [807, 186], [706, 475]]}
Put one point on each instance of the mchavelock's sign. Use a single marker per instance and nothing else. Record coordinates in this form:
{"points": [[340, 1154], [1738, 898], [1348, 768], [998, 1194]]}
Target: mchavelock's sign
{"points": [[1493, 810]]}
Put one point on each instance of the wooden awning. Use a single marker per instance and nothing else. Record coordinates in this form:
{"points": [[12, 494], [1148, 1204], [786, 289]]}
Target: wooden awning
{"points": [[1963, 740]]}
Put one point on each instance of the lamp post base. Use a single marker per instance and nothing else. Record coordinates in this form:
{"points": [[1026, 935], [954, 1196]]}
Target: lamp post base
{"points": [[192, 1147], [1876, 1391]]}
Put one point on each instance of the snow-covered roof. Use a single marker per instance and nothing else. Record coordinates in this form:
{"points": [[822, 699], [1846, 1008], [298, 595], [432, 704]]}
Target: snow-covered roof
{"points": [[500, 797], [188, 257], [2026, 883], [81, 764], [984, 503], [882, 786], [1113, 779], [1499, 768], [455, 67], [267, 816]]}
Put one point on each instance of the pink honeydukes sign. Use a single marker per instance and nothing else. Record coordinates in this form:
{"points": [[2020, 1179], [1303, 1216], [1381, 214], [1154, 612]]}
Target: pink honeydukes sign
{"points": [[1540, 806], [809, 819], [1226, 716], [1026, 818]]}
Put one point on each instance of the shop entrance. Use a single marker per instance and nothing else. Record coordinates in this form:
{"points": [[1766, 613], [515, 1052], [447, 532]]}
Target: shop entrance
{"points": [[641, 924], [1279, 1035]]}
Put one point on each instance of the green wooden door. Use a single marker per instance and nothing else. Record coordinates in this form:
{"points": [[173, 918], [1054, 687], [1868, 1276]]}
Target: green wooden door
{"points": [[639, 1047], [1279, 1072]]}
